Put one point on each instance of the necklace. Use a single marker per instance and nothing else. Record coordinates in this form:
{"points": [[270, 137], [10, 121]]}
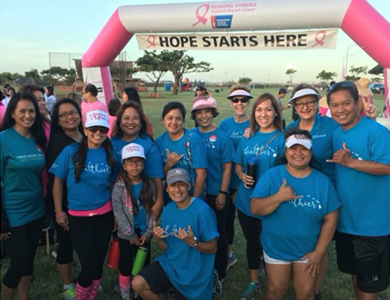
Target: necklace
{"points": [[239, 119]]}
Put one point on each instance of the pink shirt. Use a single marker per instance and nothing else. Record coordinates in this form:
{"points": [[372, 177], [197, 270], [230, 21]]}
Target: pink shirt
{"points": [[3, 108], [96, 105], [111, 122]]}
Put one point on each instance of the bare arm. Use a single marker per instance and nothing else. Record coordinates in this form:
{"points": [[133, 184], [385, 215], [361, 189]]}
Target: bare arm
{"points": [[343, 157], [199, 182], [266, 206], [61, 217], [220, 201], [157, 207]]}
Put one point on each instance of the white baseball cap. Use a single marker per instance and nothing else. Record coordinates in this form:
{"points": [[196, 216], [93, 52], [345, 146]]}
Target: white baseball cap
{"points": [[96, 118], [133, 150]]}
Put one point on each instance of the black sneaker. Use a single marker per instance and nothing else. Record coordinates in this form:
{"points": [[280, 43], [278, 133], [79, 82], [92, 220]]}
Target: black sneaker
{"points": [[217, 287]]}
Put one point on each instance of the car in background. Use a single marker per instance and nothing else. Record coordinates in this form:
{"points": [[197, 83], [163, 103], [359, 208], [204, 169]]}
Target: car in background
{"points": [[377, 88]]}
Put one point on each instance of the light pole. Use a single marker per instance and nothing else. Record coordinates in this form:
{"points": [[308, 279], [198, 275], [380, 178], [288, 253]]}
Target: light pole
{"points": [[346, 60]]}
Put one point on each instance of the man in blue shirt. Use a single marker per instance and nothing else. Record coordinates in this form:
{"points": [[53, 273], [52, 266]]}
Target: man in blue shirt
{"points": [[188, 236], [362, 159]]}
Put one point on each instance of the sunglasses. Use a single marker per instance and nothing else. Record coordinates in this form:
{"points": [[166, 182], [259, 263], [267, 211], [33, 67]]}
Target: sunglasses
{"points": [[95, 129], [347, 85], [243, 99]]}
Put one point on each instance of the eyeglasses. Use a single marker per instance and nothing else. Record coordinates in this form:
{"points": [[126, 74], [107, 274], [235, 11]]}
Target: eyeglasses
{"points": [[301, 105], [243, 100], [132, 162], [66, 114], [95, 129]]}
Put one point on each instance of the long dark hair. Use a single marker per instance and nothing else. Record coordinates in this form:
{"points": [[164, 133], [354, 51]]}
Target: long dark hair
{"points": [[145, 195], [278, 119], [36, 129], [133, 95], [117, 131], [54, 126], [78, 158]]}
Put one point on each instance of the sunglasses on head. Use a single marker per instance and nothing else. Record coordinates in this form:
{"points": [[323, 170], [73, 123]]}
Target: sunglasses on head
{"points": [[95, 129], [242, 99], [344, 85]]}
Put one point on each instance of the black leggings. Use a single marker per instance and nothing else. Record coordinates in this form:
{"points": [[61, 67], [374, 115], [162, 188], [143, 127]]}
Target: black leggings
{"points": [[231, 215], [251, 228], [65, 246], [91, 237], [21, 247], [221, 256]]}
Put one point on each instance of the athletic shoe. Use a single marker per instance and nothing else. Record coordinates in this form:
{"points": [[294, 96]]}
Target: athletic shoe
{"points": [[317, 296], [250, 291], [100, 288], [69, 294], [232, 260], [217, 287], [261, 268]]}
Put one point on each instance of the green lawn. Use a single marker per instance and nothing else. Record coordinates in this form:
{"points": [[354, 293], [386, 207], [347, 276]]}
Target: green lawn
{"points": [[337, 286]]}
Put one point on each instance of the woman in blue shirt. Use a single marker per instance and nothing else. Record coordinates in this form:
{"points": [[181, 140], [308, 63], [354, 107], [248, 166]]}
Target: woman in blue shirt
{"points": [[65, 129], [263, 147], [305, 100], [181, 148], [235, 126], [89, 169], [220, 153], [298, 207], [22, 144], [131, 127]]}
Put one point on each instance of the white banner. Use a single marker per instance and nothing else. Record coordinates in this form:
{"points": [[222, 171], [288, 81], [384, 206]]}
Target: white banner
{"points": [[321, 39]]}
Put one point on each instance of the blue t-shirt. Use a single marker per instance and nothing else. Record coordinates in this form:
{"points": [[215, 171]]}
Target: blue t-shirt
{"points": [[292, 230], [189, 270], [193, 151], [21, 166], [140, 217], [322, 140], [235, 131], [365, 197], [220, 150], [153, 162], [265, 160], [92, 190]]}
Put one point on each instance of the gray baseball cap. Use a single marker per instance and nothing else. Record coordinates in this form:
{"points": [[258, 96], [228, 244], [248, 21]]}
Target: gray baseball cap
{"points": [[178, 174]]}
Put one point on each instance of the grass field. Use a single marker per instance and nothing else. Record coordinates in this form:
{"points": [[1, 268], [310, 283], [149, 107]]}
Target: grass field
{"points": [[337, 286]]}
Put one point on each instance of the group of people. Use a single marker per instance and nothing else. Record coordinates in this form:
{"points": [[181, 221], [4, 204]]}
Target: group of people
{"points": [[294, 190]]}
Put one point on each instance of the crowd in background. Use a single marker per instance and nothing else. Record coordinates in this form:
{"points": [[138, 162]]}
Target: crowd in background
{"points": [[97, 170]]}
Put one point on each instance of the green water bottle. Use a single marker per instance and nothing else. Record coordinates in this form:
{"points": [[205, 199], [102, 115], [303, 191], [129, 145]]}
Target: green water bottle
{"points": [[139, 260]]}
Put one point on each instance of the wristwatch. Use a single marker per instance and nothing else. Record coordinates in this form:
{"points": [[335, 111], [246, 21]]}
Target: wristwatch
{"points": [[194, 246]]}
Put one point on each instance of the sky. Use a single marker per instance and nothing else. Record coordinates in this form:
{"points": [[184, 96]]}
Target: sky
{"points": [[30, 30]]}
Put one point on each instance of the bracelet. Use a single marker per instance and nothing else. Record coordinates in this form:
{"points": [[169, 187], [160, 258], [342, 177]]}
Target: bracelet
{"points": [[223, 192], [60, 215]]}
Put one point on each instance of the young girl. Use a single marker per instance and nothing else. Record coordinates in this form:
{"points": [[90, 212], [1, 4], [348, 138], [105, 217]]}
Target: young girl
{"points": [[132, 199]]}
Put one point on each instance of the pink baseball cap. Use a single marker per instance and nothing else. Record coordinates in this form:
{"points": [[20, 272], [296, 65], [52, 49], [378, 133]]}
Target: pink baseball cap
{"points": [[203, 103]]}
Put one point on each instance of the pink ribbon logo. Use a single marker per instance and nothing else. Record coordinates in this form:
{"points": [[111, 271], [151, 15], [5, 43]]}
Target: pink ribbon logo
{"points": [[151, 41], [319, 38], [199, 17]]}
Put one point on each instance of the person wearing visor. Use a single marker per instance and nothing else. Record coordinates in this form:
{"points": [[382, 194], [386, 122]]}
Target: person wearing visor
{"points": [[305, 100], [187, 234], [89, 169], [298, 206], [362, 159], [220, 152], [235, 126]]}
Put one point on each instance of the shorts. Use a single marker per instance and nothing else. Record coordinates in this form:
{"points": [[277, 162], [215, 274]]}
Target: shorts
{"points": [[367, 257], [158, 280], [273, 261]]}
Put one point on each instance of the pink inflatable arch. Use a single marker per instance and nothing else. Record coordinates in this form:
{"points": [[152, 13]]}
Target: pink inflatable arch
{"points": [[357, 18]]}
